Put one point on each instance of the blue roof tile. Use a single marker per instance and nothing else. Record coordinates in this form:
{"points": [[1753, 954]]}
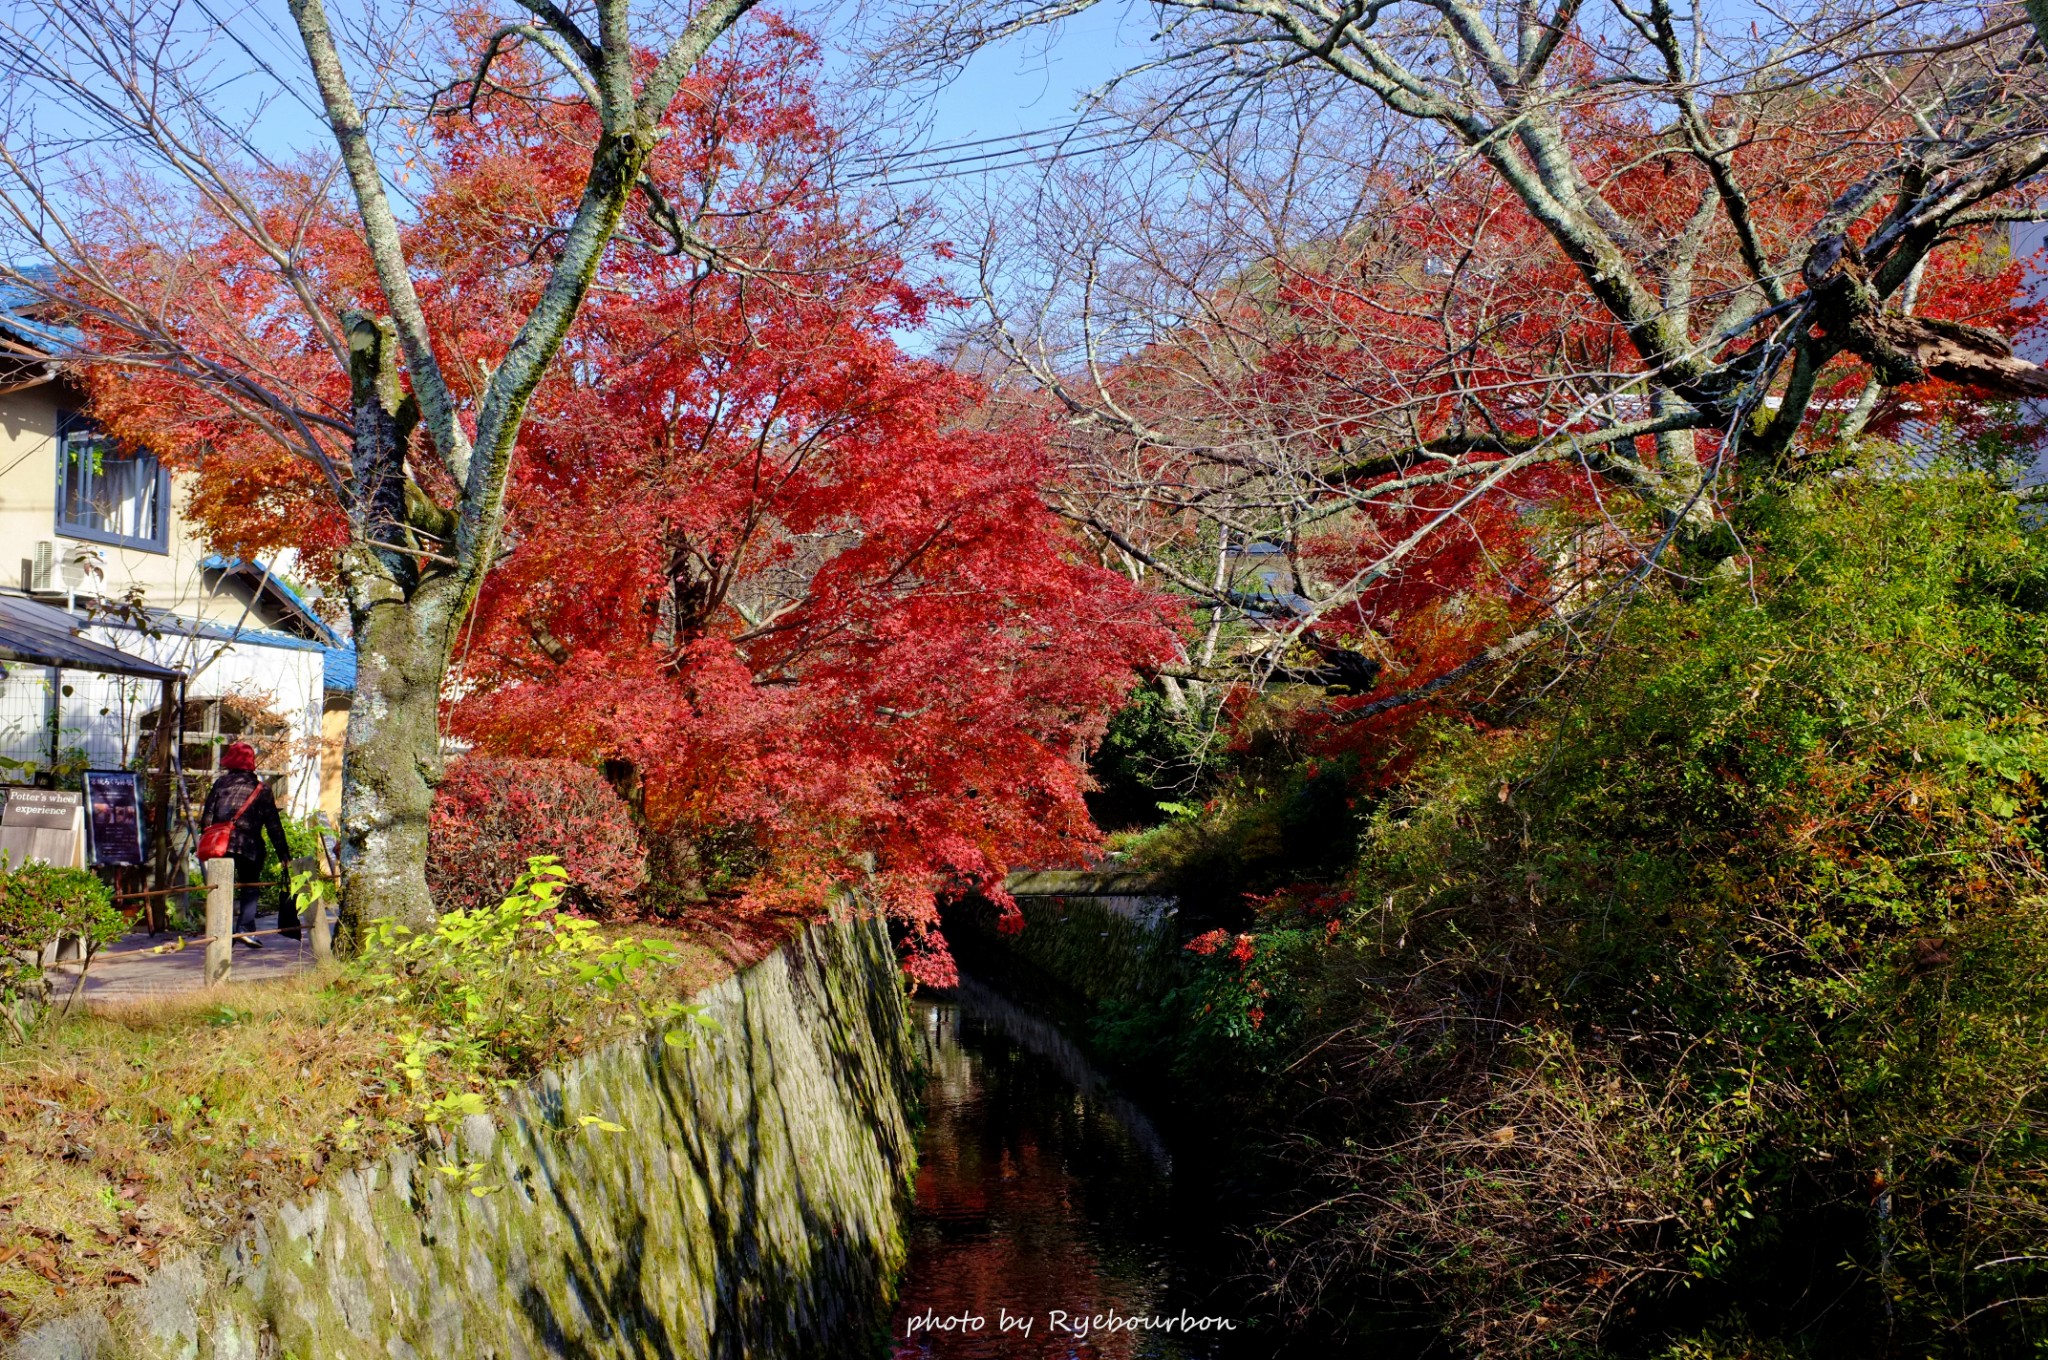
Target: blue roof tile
{"points": [[341, 670]]}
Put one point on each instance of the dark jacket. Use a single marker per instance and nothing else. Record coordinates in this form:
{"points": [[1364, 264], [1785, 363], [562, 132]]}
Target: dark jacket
{"points": [[229, 792]]}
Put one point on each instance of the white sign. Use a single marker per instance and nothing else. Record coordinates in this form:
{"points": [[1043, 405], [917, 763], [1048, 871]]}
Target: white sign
{"points": [[43, 824]]}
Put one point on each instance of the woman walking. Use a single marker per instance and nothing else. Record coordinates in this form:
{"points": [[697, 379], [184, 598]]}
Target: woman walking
{"points": [[240, 798]]}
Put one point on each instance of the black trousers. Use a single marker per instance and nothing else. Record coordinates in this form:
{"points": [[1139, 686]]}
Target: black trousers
{"points": [[248, 898]]}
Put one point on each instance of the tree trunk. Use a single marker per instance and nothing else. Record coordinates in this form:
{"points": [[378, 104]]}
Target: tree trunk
{"points": [[404, 609], [392, 763], [1904, 349], [1684, 500]]}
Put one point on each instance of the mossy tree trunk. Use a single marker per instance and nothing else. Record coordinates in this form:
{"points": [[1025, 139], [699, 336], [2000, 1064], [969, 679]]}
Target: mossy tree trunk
{"points": [[404, 595]]}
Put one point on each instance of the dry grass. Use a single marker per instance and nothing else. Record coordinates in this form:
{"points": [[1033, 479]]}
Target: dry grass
{"points": [[130, 1134]]}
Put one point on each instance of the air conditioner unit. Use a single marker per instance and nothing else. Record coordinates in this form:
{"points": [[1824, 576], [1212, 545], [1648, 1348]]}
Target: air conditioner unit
{"points": [[45, 573]]}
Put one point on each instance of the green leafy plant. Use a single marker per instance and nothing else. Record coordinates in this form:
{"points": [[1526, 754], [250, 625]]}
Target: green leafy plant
{"points": [[498, 992], [468, 1176], [310, 890], [1151, 760], [302, 838], [40, 903]]}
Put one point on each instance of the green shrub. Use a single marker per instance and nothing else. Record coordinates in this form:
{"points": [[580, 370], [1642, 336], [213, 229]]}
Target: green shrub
{"points": [[489, 996], [1276, 815], [1149, 758], [1718, 978], [39, 903]]}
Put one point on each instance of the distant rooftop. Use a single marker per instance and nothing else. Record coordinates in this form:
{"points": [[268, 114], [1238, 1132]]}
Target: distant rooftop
{"points": [[18, 305]]}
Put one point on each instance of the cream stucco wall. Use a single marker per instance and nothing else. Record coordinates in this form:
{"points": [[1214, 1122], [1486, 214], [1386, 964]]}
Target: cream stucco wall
{"points": [[28, 515], [333, 738]]}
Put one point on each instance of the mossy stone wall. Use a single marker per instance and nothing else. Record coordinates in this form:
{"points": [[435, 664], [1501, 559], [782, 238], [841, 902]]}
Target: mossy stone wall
{"points": [[752, 1205], [1084, 945]]}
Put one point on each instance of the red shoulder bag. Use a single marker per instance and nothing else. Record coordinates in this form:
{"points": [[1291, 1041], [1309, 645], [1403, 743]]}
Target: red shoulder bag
{"points": [[213, 841]]}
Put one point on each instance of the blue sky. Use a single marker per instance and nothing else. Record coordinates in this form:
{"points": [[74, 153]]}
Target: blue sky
{"points": [[1036, 80]]}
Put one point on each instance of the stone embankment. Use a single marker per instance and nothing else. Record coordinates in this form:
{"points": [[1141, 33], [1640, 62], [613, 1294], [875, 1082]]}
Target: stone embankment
{"points": [[736, 1192]]}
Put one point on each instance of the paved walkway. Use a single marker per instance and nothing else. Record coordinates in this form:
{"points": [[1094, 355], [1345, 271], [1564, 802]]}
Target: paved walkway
{"points": [[126, 971]]}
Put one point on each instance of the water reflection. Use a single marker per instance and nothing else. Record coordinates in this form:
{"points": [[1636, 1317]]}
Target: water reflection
{"points": [[1046, 1222]]}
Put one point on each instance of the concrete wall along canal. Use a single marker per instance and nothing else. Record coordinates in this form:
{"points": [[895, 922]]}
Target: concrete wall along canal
{"points": [[1100, 936], [752, 1205]]}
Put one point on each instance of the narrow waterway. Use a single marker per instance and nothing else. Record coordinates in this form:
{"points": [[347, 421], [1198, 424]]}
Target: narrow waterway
{"points": [[1047, 1222]]}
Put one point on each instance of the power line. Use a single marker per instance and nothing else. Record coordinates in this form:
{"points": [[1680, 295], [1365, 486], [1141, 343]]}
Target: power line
{"points": [[990, 141], [926, 165], [929, 171], [918, 163]]}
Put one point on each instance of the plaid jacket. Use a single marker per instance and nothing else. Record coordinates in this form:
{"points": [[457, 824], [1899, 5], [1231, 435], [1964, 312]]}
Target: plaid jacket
{"points": [[228, 793]]}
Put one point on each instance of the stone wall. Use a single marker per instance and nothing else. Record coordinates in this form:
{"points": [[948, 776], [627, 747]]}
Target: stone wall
{"points": [[752, 1206], [1091, 947]]}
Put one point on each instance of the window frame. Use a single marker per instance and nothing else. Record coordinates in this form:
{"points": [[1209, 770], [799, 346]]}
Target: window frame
{"points": [[71, 424]]}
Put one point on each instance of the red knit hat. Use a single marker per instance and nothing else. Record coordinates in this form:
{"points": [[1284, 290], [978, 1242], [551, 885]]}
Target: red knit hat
{"points": [[240, 755]]}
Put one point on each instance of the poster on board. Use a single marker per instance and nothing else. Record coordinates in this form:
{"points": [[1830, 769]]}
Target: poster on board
{"points": [[113, 818], [43, 824]]}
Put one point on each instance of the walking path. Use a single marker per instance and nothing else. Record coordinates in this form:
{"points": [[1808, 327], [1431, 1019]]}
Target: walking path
{"points": [[126, 971]]}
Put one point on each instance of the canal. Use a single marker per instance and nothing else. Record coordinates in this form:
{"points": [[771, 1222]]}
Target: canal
{"points": [[1048, 1222]]}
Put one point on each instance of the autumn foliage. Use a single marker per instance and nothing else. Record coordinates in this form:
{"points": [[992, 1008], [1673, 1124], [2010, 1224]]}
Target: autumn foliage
{"points": [[491, 815], [1421, 409], [766, 565], [1539, 540]]}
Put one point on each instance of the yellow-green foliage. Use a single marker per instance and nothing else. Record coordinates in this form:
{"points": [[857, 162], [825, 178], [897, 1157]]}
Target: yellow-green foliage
{"points": [[491, 993]]}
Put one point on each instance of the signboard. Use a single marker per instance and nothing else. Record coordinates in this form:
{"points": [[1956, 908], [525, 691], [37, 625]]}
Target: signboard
{"points": [[43, 824], [113, 800], [44, 809]]}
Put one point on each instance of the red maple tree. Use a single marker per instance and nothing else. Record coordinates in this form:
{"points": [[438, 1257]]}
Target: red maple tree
{"points": [[775, 565], [764, 565]]}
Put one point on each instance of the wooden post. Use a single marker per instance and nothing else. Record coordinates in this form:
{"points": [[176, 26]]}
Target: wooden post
{"points": [[170, 707], [54, 716], [322, 924], [220, 918], [322, 930]]}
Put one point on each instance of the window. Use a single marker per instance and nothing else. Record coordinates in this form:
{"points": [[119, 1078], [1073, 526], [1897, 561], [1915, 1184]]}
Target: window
{"points": [[211, 724], [107, 494]]}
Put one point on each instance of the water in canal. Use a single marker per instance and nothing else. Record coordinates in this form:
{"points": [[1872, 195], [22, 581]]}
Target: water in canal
{"points": [[1047, 1221]]}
